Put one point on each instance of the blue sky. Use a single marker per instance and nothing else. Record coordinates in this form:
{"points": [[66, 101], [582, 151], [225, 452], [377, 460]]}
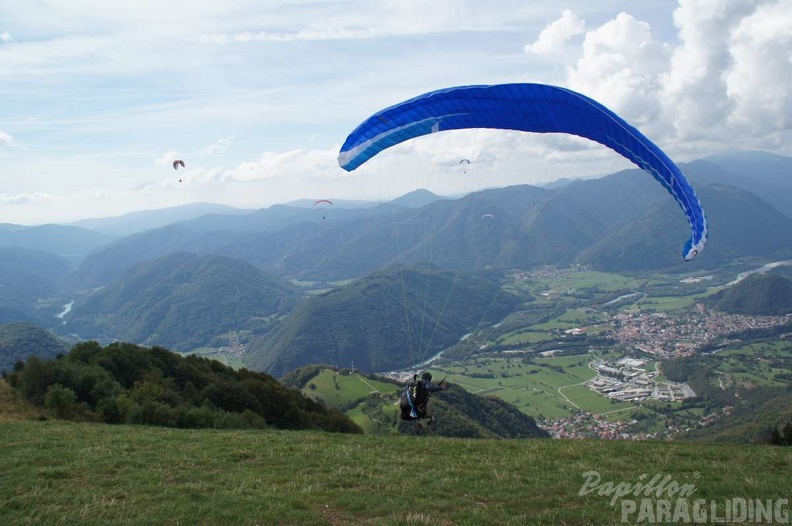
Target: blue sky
{"points": [[257, 96]]}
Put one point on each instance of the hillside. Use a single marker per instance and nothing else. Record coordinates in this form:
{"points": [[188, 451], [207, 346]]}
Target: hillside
{"points": [[14, 408], [98, 474], [746, 375], [763, 173], [759, 294], [464, 415], [390, 319], [134, 222], [127, 384], [182, 301], [30, 285], [19, 341], [624, 221], [742, 224], [110, 262], [70, 242], [371, 400]]}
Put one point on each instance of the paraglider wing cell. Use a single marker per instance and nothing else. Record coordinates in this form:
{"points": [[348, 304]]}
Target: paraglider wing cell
{"points": [[537, 108]]}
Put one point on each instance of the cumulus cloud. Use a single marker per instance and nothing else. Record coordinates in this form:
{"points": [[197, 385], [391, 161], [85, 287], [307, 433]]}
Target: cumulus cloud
{"points": [[553, 41], [5, 140], [759, 79], [6, 37], [724, 83], [292, 164], [167, 158], [219, 146], [24, 198], [695, 85], [621, 67]]}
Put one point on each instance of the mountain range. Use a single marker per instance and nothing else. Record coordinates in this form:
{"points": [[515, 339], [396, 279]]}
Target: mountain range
{"points": [[187, 277], [182, 301], [394, 318]]}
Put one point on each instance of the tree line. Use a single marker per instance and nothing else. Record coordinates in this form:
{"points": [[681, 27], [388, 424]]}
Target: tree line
{"points": [[122, 383]]}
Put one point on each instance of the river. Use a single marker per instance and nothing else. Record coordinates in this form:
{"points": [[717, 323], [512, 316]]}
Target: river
{"points": [[742, 275], [66, 309]]}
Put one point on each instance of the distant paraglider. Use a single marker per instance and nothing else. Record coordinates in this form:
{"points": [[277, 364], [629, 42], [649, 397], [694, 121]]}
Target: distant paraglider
{"points": [[177, 163], [322, 201], [487, 218], [537, 108], [464, 163]]}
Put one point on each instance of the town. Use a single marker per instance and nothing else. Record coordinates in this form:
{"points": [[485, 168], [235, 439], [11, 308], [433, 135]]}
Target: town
{"points": [[664, 336], [627, 381]]}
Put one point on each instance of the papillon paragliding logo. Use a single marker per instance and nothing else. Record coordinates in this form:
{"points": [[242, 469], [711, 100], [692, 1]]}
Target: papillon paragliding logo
{"points": [[536, 108]]}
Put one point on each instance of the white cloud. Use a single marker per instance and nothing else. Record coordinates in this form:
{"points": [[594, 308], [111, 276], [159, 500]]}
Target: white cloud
{"points": [[291, 165], [167, 158], [295, 77], [552, 42], [219, 146], [24, 199], [723, 84], [759, 80], [5, 140], [695, 85], [620, 67], [302, 35]]}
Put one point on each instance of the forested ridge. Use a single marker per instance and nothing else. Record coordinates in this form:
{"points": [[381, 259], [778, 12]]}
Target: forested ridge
{"points": [[125, 383]]}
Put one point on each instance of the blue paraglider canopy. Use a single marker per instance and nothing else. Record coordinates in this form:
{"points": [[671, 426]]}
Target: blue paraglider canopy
{"points": [[537, 108]]}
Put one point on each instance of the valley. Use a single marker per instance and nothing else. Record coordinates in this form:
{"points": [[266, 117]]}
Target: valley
{"points": [[589, 323], [593, 369]]}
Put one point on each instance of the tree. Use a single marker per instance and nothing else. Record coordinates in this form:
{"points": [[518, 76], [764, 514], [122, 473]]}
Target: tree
{"points": [[783, 436], [61, 399], [34, 379]]}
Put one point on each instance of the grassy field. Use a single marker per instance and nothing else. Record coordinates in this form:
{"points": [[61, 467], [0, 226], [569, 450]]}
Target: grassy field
{"points": [[66, 473], [574, 280], [755, 364], [666, 304], [336, 389], [550, 387]]}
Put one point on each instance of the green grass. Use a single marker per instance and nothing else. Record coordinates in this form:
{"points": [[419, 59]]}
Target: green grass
{"points": [[534, 387], [587, 280], [88, 474], [666, 304], [524, 337], [579, 317], [14, 408], [351, 386]]}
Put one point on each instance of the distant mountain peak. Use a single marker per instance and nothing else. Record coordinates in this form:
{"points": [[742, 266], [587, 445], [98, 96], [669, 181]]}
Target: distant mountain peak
{"points": [[417, 199]]}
